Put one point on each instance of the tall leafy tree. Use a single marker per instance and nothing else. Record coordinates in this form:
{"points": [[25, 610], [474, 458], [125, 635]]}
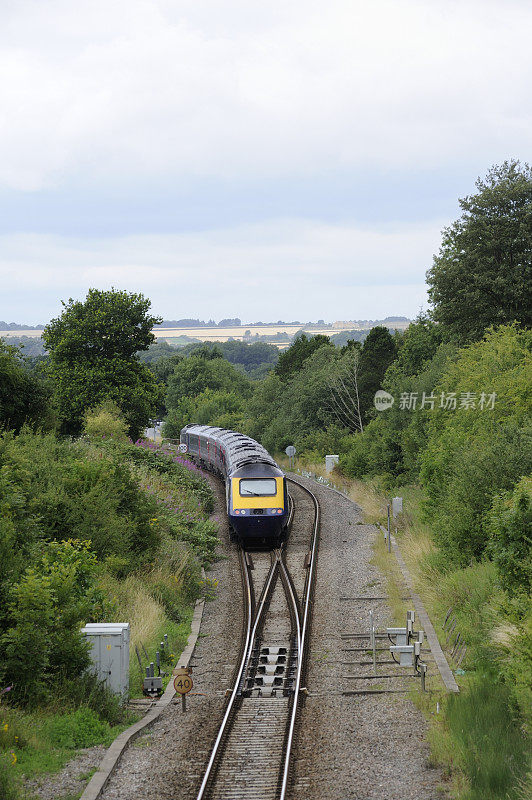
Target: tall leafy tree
{"points": [[482, 275], [377, 354], [24, 397], [93, 349], [207, 389], [291, 361], [194, 375]]}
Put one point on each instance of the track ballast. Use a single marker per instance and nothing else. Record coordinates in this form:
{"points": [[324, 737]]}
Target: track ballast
{"points": [[251, 756]]}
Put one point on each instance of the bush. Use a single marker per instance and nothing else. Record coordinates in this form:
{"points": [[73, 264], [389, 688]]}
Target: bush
{"points": [[26, 646], [474, 454], [511, 537], [122, 502], [462, 477], [62, 490], [106, 421], [43, 642], [182, 472], [373, 452], [81, 728], [202, 535], [87, 691]]}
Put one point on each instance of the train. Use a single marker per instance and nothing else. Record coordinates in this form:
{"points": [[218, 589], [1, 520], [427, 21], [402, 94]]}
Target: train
{"points": [[255, 486]]}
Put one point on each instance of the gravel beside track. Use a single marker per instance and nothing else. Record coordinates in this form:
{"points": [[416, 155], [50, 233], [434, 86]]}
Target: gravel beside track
{"points": [[363, 747]]}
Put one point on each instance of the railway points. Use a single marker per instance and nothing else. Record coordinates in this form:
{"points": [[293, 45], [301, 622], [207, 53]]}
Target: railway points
{"points": [[252, 753]]}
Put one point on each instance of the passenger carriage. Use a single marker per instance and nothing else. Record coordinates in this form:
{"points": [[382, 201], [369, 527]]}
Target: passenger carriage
{"points": [[257, 500]]}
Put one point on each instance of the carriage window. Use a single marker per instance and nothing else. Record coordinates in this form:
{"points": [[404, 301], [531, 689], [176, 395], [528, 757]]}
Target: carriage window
{"points": [[258, 487]]}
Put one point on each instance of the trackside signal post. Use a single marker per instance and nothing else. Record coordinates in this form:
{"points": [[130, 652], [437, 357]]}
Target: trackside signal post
{"points": [[290, 452], [183, 683]]}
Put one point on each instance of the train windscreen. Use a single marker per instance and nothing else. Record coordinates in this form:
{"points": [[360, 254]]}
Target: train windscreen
{"points": [[258, 487]]}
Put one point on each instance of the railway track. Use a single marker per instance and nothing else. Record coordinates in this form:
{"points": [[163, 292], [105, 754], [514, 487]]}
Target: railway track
{"points": [[251, 755]]}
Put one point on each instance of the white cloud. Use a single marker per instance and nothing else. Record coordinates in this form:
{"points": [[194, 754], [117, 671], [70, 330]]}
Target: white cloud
{"points": [[282, 269], [157, 89]]}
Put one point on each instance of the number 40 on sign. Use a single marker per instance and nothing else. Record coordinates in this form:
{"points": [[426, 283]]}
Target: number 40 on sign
{"points": [[183, 683]]}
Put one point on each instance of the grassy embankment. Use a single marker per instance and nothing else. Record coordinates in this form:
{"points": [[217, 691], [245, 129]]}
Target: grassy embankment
{"points": [[480, 737], [152, 585]]}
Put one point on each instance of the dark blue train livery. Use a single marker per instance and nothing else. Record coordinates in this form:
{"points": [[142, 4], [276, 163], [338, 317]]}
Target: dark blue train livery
{"points": [[257, 500]]}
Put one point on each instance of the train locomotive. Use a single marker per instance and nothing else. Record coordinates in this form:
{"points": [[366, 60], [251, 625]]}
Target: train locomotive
{"points": [[257, 499]]}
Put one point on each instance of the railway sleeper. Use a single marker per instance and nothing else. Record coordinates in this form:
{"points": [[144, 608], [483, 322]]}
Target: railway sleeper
{"points": [[267, 672]]}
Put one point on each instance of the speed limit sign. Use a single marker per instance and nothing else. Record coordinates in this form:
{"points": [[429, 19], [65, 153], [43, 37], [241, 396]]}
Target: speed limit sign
{"points": [[183, 683]]}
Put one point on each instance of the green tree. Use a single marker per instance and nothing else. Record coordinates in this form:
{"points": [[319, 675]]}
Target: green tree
{"points": [[207, 389], [93, 349], [193, 375], [291, 410], [481, 448], [24, 397], [394, 438], [483, 272], [417, 347], [302, 348], [378, 352]]}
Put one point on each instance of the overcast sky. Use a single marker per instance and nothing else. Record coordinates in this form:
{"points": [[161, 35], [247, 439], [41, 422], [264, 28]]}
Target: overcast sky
{"points": [[280, 160]]}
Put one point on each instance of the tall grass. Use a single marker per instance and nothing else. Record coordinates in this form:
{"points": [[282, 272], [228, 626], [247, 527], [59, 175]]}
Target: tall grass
{"points": [[153, 605], [9, 789], [367, 496], [489, 746]]}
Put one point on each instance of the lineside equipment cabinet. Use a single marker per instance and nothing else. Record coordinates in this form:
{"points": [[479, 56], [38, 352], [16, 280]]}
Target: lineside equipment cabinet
{"points": [[109, 651]]}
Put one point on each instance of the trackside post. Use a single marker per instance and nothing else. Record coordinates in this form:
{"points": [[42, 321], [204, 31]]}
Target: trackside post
{"points": [[183, 683]]}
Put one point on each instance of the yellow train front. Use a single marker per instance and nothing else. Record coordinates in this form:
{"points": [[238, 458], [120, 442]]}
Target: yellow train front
{"points": [[257, 506], [257, 500]]}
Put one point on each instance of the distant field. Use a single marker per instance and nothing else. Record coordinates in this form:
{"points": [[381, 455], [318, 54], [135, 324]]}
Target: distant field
{"points": [[25, 332], [216, 334], [222, 334]]}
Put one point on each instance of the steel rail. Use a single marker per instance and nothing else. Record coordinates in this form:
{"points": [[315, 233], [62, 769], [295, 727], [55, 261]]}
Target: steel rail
{"points": [[309, 584], [250, 631], [300, 618]]}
